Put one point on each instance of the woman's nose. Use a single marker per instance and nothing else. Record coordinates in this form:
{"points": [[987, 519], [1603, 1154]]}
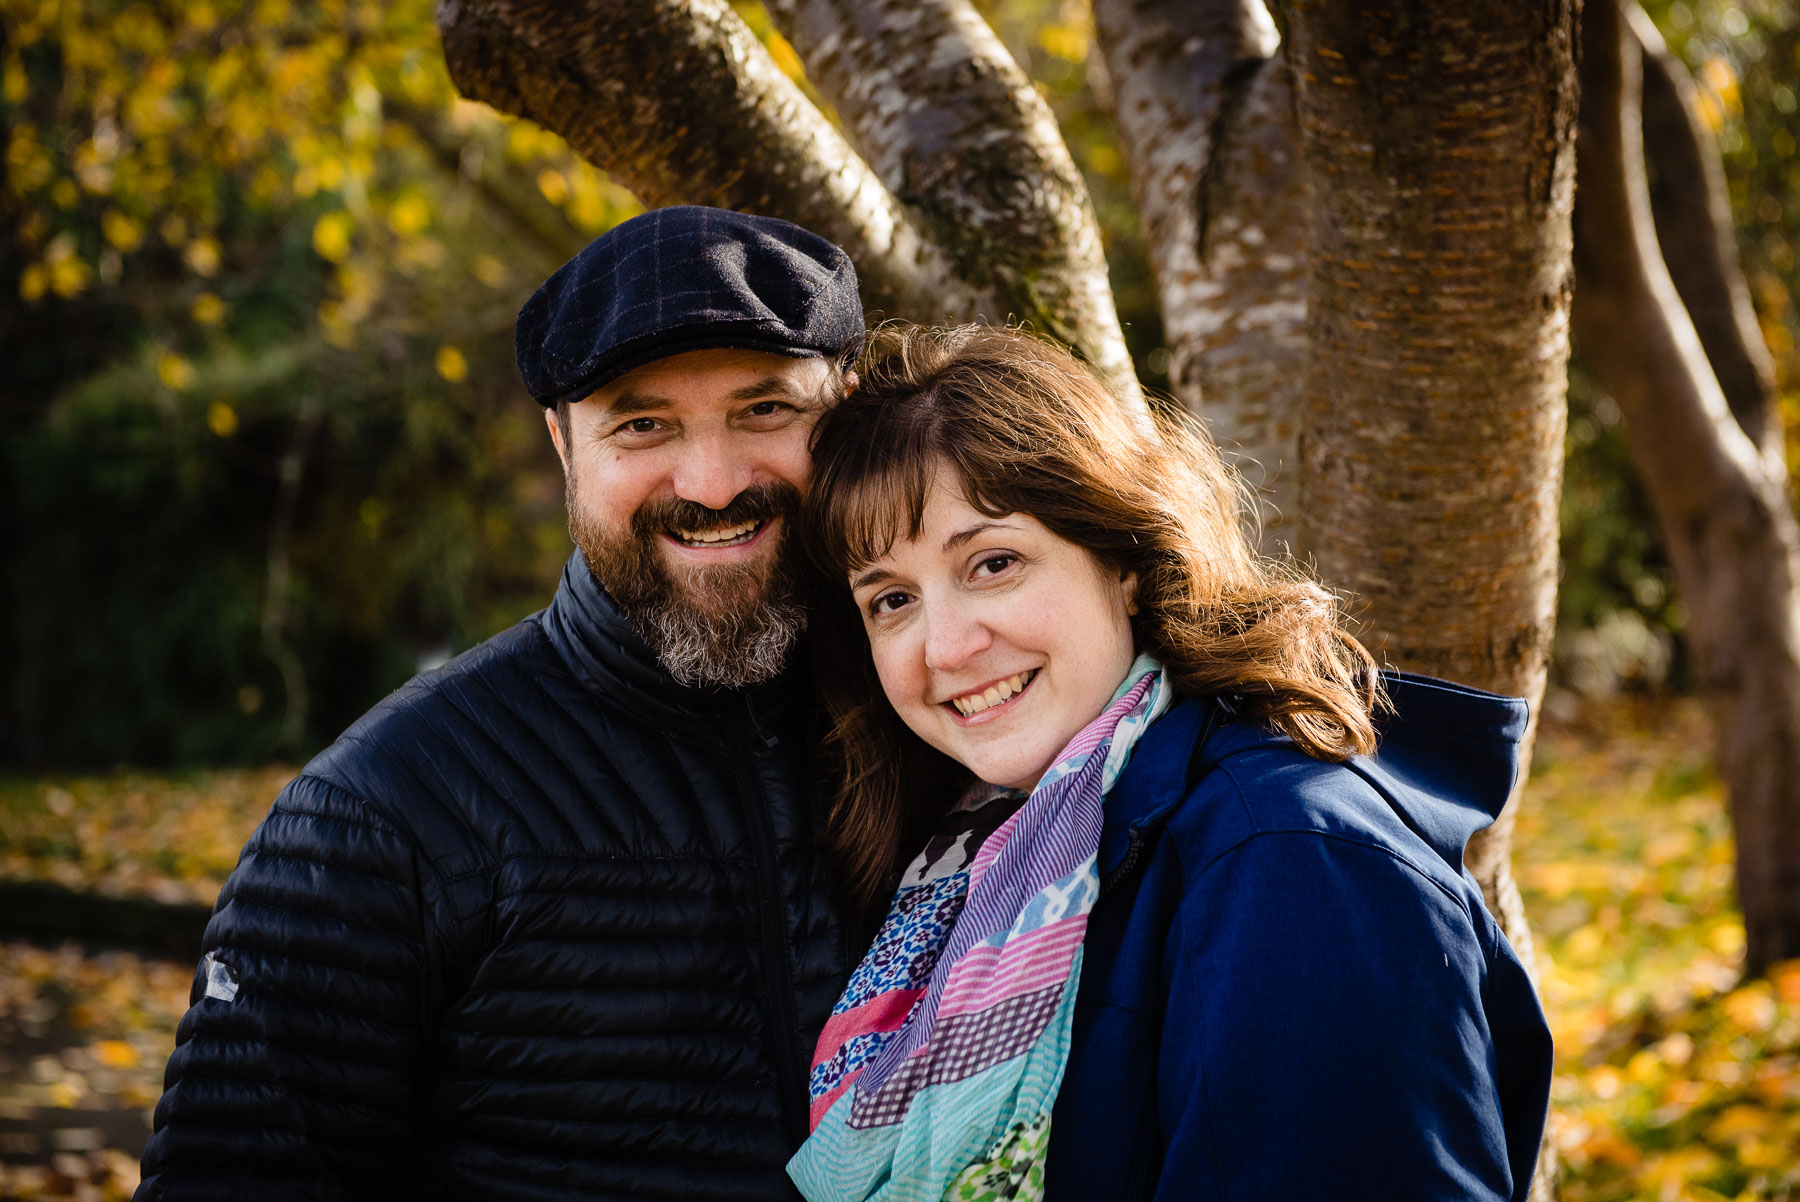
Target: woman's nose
{"points": [[953, 637]]}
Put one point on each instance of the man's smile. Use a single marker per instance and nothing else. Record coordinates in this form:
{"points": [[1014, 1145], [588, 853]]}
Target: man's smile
{"points": [[724, 536]]}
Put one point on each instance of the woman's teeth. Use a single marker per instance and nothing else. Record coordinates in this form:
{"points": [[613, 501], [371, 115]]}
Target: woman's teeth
{"points": [[724, 537], [993, 695]]}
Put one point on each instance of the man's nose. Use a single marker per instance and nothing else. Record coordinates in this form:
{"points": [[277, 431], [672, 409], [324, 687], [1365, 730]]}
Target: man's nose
{"points": [[953, 637], [712, 472]]}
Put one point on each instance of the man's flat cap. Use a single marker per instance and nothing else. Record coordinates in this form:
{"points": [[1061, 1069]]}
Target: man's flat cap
{"points": [[683, 279]]}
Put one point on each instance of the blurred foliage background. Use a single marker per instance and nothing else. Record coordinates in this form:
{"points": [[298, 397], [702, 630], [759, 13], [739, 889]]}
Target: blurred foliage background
{"points": [[265, 452]]}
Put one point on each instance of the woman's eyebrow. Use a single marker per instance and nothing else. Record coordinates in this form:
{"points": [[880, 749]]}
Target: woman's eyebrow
{"points": [[962, 536], [872, 576]]}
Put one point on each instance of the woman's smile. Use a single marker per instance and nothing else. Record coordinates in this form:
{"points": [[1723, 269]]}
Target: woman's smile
{"points": [[985, 704]]}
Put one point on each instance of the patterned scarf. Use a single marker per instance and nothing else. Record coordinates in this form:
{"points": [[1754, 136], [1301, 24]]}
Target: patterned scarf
{"points": [[936, 1073]]}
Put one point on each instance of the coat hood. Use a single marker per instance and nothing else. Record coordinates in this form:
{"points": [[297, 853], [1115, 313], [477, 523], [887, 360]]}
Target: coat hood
{"points": [[1447, 760]]}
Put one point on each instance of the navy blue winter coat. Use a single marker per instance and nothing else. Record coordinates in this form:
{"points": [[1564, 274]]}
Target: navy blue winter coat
{"points": [[1291, 988]]}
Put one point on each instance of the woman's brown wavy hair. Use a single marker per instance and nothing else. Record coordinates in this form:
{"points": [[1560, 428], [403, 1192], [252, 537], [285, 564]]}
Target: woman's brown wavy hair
{"points": [[1028, 429]]}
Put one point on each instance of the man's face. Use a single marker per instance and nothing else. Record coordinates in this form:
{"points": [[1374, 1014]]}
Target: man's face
{"points": [[683, 478]]}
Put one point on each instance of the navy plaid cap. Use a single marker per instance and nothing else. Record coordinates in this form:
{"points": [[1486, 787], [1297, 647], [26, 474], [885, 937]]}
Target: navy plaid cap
{"points": [[682, 279]]}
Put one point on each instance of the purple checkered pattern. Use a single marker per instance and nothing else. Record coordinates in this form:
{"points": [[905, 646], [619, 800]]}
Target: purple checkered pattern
{"points": [[960, 1047]]}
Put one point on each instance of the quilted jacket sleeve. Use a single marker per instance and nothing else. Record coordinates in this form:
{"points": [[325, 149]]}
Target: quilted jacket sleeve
{"points": [[295, 1070], [1326, 1035]]}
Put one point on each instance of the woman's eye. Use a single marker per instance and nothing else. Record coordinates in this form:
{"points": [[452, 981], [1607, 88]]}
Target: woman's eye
{"points": [[887, 603], [766, 408], [993, 565]]}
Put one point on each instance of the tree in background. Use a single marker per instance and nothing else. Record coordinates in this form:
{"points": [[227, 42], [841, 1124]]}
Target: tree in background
{"points": [[1371, 213], [1665, 318]]}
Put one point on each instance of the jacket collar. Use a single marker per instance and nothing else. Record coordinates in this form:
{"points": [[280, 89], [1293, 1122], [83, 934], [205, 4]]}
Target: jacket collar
{"points": [[597, 641]]}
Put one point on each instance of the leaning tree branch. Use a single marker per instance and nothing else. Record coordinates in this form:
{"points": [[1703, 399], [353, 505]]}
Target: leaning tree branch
{"points": [[956, 130], [1694, 231], [1178, 68], [678, 101], [1721, 504], [1205, 117]]}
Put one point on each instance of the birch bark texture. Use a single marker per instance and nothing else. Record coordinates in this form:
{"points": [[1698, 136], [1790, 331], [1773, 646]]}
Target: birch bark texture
{"points": [[963, 202], [1717, 486]]}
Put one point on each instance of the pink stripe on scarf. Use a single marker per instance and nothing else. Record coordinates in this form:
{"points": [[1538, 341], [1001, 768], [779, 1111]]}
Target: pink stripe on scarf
{"points": [[991, 974]]}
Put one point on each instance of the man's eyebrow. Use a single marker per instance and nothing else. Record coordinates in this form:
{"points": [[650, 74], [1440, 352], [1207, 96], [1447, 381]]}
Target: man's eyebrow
{"points": [[964, 535], [872, 576], [773, 386], [633, 403]]}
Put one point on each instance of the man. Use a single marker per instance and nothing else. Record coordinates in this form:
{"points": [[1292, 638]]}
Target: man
{"points": [[549, 922]]}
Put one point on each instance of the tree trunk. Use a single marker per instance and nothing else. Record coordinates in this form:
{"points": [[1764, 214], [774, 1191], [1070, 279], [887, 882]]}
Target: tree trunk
{"points": [[1721, 503], [1440, 142]]}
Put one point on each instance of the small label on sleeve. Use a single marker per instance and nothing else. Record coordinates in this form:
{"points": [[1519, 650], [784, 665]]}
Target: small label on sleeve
{"points": [[221, 979]]}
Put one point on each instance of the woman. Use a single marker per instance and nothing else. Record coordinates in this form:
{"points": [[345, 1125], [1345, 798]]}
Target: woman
{"points": [[1161, 901]]}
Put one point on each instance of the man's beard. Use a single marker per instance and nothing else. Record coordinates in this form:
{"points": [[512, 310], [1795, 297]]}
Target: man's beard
{"points": [[727, 625]]}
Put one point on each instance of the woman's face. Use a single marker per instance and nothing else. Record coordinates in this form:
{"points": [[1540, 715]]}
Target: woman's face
{"points": [[996, 641]]}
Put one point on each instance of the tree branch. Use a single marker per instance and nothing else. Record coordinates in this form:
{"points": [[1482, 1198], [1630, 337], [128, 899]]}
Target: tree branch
{"points": [[1628, 314], [1177, 68], [678, 101], [1205, 118], [1698, 244], [956, 130]]}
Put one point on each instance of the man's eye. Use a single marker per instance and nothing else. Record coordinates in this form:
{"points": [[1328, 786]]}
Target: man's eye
{"points": [[639, 425], [766, 408]]}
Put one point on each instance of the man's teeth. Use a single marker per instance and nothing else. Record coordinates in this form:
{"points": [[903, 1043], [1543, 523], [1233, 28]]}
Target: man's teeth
{"points": [[713, 538], [993, 695]]}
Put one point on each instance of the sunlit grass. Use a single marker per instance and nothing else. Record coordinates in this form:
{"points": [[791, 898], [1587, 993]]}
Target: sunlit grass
{"points": [[1672, 1081]]}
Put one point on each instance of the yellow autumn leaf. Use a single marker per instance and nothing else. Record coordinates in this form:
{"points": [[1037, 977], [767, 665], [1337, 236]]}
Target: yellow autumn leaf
{"points": [[331, 236], [782, 51], [1736, 1124], [1067, 42], [492, 272], [208, 309], [115, 1053], [553, 185], [222, 419], [202, 256], [70, 277], [1750, 1008], [452, 365], [121, 230], [409, 214], [34, 281], [174, 371]]}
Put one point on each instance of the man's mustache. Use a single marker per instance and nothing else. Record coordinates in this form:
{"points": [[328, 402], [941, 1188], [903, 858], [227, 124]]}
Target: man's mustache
{"points": [[774, 498]]}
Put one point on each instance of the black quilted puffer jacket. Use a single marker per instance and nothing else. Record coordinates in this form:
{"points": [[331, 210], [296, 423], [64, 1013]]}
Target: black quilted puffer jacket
{"points": [[544, 924]]}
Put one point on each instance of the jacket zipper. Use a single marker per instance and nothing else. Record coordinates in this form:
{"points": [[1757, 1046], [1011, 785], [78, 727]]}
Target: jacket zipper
{"points": [[788, 1077], [1123, 870]]}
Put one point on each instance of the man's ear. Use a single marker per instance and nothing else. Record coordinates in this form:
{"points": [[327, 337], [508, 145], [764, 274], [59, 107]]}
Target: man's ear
{"points": [[556, 438]]}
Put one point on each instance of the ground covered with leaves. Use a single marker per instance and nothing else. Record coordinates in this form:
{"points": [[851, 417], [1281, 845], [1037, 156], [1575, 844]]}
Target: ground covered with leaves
{"points": [[1674, 1082]]}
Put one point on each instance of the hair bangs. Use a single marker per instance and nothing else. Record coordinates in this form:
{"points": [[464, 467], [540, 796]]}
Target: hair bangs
{"points": [[873, 492]]}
